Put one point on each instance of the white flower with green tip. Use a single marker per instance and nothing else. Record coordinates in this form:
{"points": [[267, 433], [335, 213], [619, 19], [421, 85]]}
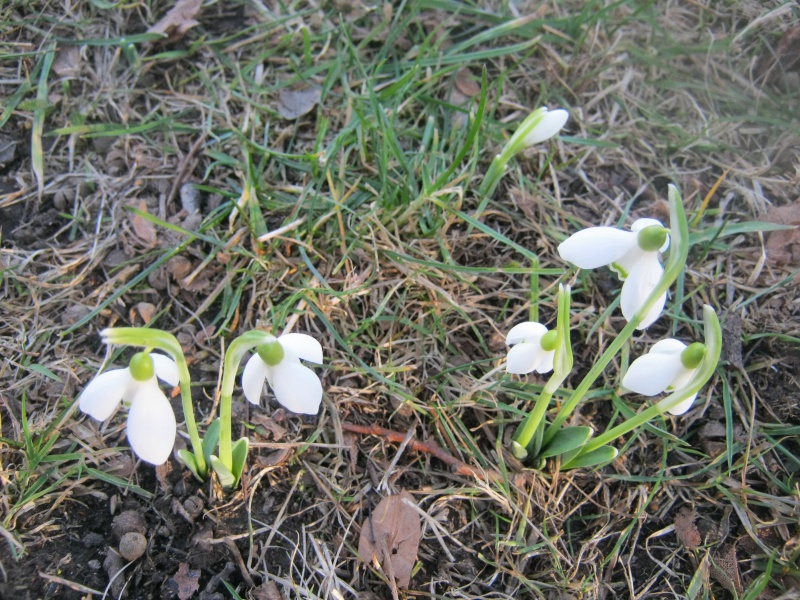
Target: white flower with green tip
{"points": [[633, 255], [295, 386], [550, 124], [533, 348], [669, 365], [151, 421]]}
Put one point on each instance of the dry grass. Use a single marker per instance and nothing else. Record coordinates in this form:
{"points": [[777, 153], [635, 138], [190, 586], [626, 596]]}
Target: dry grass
{"points": [[410, 306]]}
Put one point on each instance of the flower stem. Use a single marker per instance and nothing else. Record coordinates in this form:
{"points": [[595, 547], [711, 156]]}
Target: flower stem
{"points": [[156, 338], [233, 356], [562, 365], [679, 251], [713, 341]]}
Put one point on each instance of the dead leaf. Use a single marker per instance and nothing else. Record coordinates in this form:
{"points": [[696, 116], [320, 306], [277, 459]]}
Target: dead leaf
{"points": [[725, 569], [686, 530], [188, 581], [179, 20], [266, 591], [144, 228], [146, 311], [466, 84], [390, 537], [293, 104], [271, 428], [783, 247], [68, 61]]}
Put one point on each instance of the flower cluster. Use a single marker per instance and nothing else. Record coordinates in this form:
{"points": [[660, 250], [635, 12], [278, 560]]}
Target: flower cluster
{"points": [[151, 425]]}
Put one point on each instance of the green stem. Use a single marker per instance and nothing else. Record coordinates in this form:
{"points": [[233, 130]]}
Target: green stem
{"points": [[527, 429], [679, 251], [562, 365], [233, 356], [155, 338], [713, 341]]}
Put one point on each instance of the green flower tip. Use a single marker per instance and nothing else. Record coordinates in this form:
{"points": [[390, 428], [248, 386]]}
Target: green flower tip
{"points": [[692, 356], [271, 353], [652, 238], [141, 366], [549, 340]]}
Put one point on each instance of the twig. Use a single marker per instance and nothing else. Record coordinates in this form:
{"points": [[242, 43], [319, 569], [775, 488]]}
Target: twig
{"points": [[432, 448]]}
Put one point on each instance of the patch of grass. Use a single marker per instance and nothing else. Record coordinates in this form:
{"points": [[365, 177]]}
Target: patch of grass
{"points": [[356, 222]]}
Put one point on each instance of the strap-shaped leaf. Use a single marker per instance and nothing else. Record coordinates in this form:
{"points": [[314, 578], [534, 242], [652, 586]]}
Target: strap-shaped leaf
{"points": [[598, 456], [225, 477], [568, 438], [211, 439], [187, 458], [239, 455]]}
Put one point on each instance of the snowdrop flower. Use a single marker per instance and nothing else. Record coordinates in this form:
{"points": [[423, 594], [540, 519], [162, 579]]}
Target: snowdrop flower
{"points": [[151, 421], [633, 255], [296, 386], [549, 125], [669, 365], [534, 348]]}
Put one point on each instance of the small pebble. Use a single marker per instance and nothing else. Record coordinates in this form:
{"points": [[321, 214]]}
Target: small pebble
{"points": [[193, 506], [128, 521], [94, 565], [132, 546]]}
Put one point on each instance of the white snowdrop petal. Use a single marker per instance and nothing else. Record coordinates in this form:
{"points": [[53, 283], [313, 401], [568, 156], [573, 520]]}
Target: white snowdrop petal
{"points": [[651, 374], [683, 406], [623, 265], [596, 246], [546, 363], [104, 393], [654, 313], [165, 368], [552, 122], [642, 279], [302, 346], [253, 376], [683, 377], [668, 346], [151, 424], [529, 331], [524, 358], [297, 388]]}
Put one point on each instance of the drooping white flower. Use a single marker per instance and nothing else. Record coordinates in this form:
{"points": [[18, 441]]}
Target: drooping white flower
{"points": [[633, 255], [550, 124], [669, 365], [296, 386], [151, 421], [533, 348]]}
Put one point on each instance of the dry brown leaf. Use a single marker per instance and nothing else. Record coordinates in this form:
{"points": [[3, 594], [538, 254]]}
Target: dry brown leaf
{"points": [[293, 104], [146, 311], [390, 537], [266, 591], [783, 247], [188, 581], [686, 530], [68, 61], [467, 85], [179, 20], [271, 428], [725, 569], [144, 228]]}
